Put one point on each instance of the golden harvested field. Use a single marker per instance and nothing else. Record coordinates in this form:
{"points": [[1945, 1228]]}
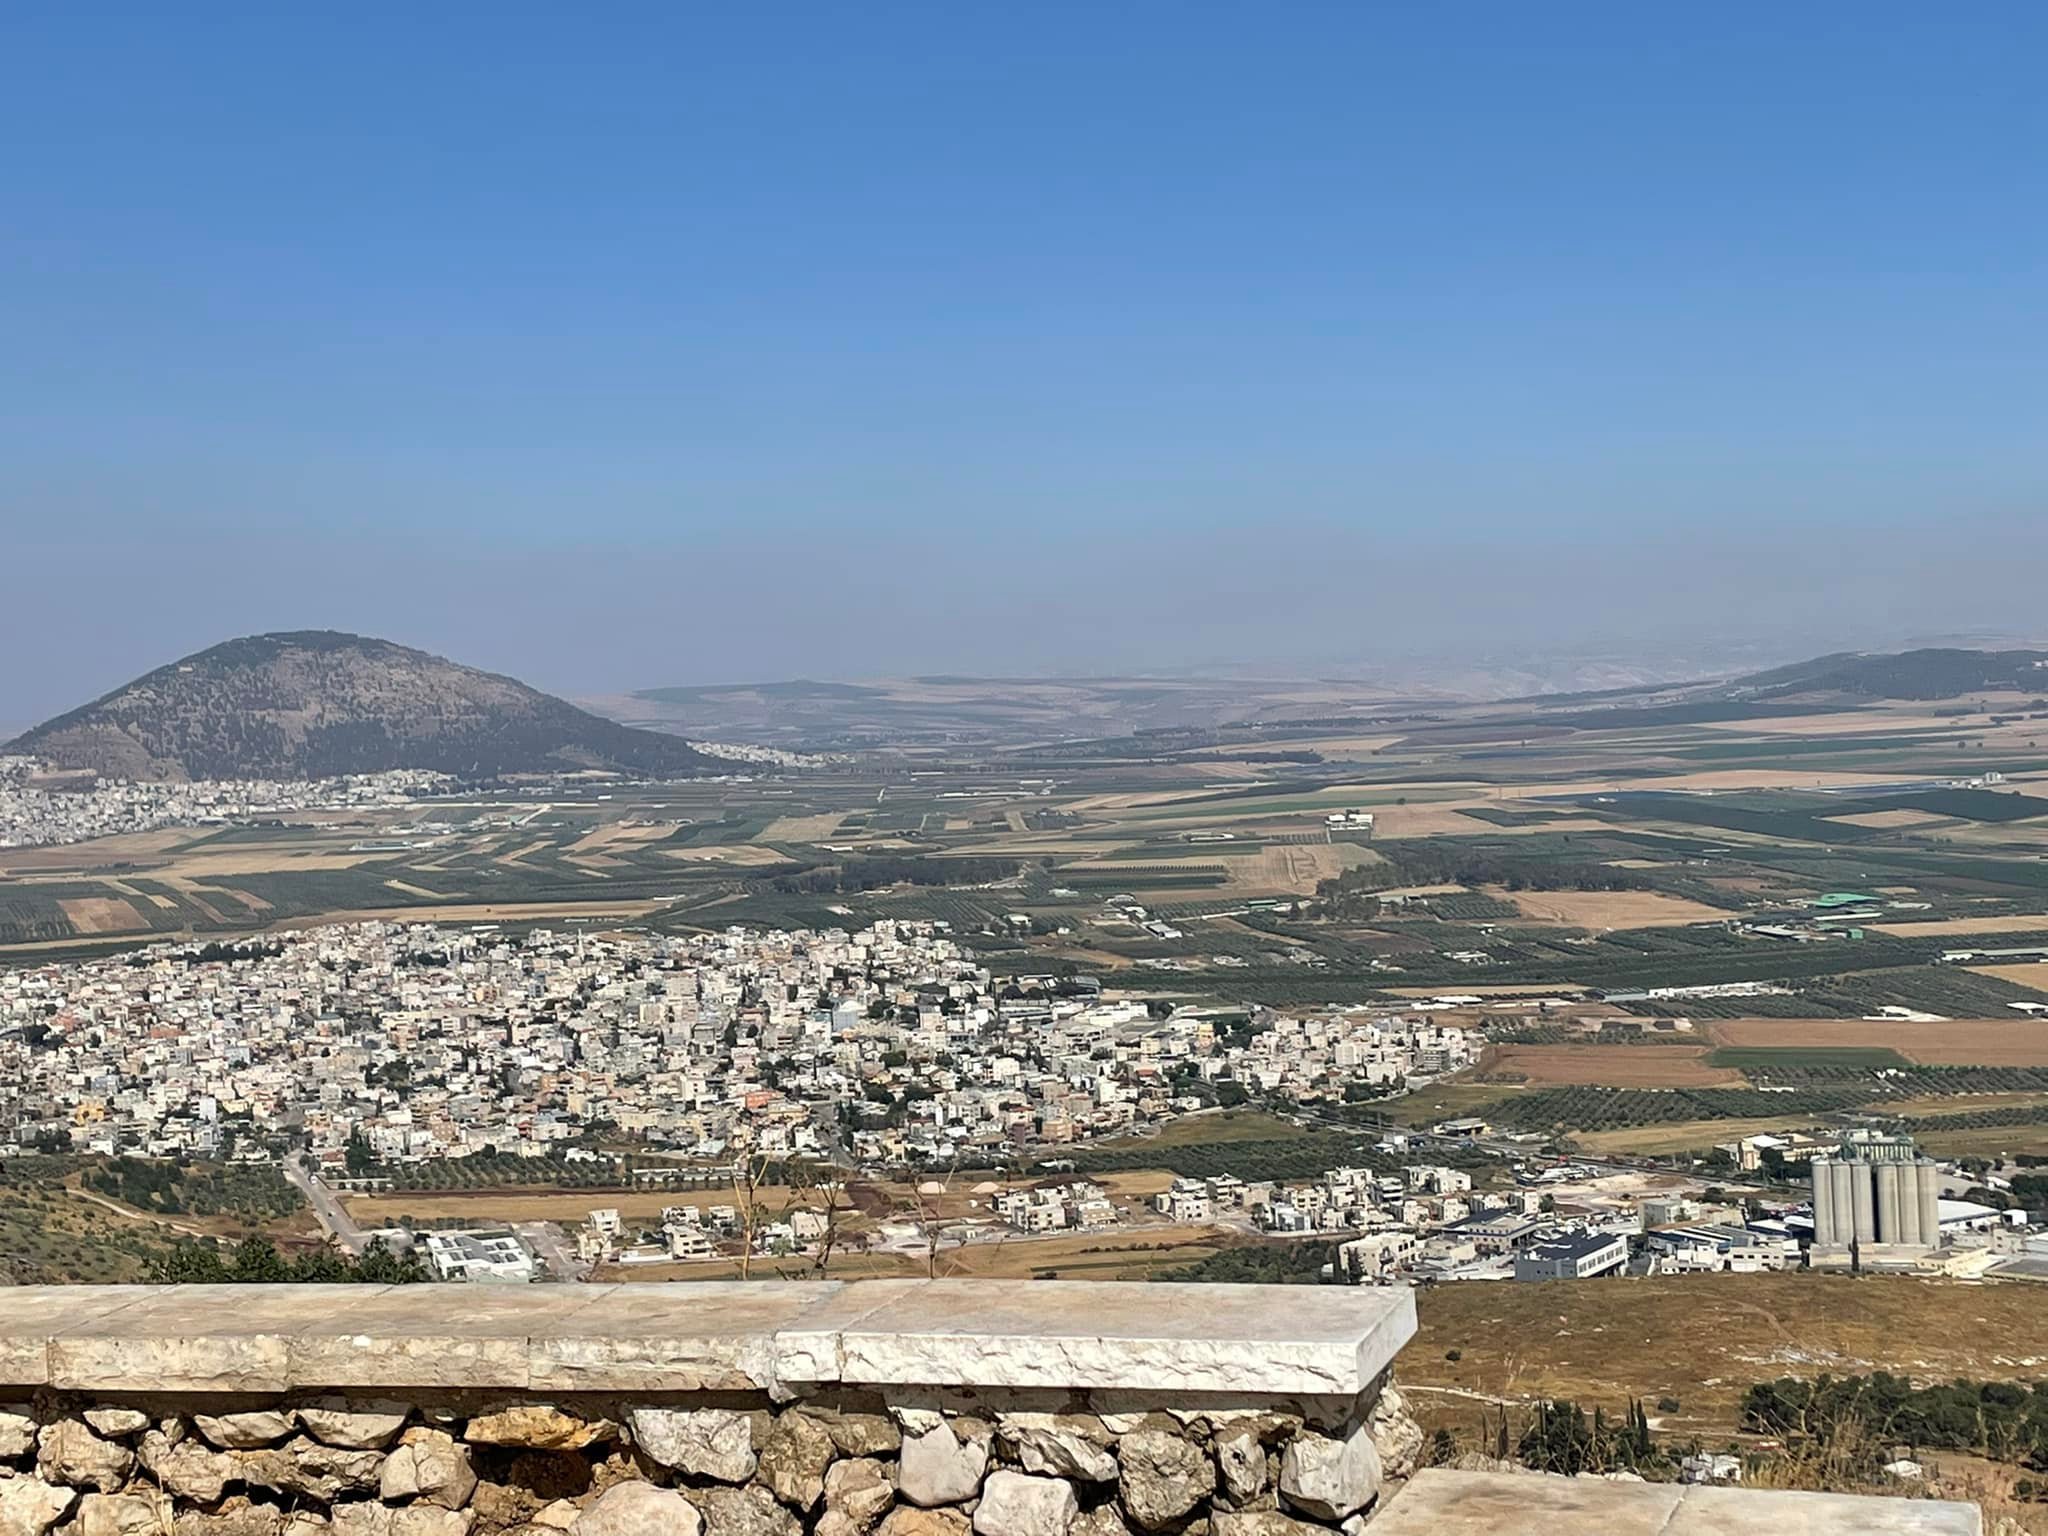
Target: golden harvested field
{"points": [[501, 912], [1943, 927], [802, 829], [1883, 819], [2033, 977], [101, 914], [263, 859], [1613, 909], [127, 848], [735, 853], [1295, 868], [612, 835], [1450, 821], [1704, 1338], [1612, 1066], [2012, 1042]]}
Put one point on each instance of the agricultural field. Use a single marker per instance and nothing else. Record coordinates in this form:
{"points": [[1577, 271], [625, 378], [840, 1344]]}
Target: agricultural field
{"points": [[1616, 855], [1619, 1066], [1614, 909], [1957, 1042]]}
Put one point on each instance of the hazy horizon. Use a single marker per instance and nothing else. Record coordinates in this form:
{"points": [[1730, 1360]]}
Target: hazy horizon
{"points": [[698, 347]]}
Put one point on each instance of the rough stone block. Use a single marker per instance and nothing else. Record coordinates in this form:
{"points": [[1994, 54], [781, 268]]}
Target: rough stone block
{"points": [[1328, 1478], [1163, 1478], [29, 1506], [938, 1467], [1018, 1504], [352, 1425], [639, 1509], [714, 1443]]}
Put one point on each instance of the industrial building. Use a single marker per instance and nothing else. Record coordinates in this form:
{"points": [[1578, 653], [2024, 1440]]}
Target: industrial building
{"points": [[1579, 1256], [1875, 1203]]}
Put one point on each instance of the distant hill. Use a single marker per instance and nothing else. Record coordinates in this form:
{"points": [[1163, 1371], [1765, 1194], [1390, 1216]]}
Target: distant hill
{"points": [[1925, 674], [316, 703]]}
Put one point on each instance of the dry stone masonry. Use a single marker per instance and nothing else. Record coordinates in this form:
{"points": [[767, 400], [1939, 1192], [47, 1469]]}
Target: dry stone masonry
{"points": [[913, 1408]]}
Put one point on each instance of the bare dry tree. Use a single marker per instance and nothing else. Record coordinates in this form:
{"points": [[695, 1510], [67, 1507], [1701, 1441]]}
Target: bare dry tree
{"points": [[928, 1219], [821, 1187], [748, 1171], [831, 1186]]}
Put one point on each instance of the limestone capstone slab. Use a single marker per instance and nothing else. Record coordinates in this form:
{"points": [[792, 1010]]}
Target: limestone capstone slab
{"points": [[192, 1338], [715, 1336], [1211, 1338], [448, 1336], [30, 1315], [1328, 1344]]}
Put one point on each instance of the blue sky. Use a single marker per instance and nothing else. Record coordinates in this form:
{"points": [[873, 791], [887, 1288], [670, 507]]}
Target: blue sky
{"points": [[623, 345]]}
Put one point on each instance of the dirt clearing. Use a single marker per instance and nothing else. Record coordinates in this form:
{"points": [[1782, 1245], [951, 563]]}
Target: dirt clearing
{"points": [[1611, 1066], [1613, 909], [1295, 868]]}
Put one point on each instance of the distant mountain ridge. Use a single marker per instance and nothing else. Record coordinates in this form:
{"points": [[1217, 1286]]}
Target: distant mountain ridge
{"points": [[312, 704], [1938, 672]]}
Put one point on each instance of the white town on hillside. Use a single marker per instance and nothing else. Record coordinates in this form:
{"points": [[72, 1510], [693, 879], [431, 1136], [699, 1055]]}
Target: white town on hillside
{"points": [[347, 1053]]}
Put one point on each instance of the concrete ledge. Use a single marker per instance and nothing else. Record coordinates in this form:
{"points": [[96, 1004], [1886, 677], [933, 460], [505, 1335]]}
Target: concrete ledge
{"points": [[1246, 1341], [1441, 1503]]}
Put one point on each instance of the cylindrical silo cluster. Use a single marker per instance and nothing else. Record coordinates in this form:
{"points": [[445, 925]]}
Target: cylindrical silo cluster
{"points": [[1863, 1201], [1881, 1200], [1889, 1227]]}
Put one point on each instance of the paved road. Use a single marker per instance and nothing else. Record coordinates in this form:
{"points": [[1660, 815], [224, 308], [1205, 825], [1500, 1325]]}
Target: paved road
{"points": [[333, 1215]]}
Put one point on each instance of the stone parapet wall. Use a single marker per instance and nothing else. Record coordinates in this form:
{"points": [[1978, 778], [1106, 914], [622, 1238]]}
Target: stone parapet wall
{"points": [[886, 1409], [898, 1408]]}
